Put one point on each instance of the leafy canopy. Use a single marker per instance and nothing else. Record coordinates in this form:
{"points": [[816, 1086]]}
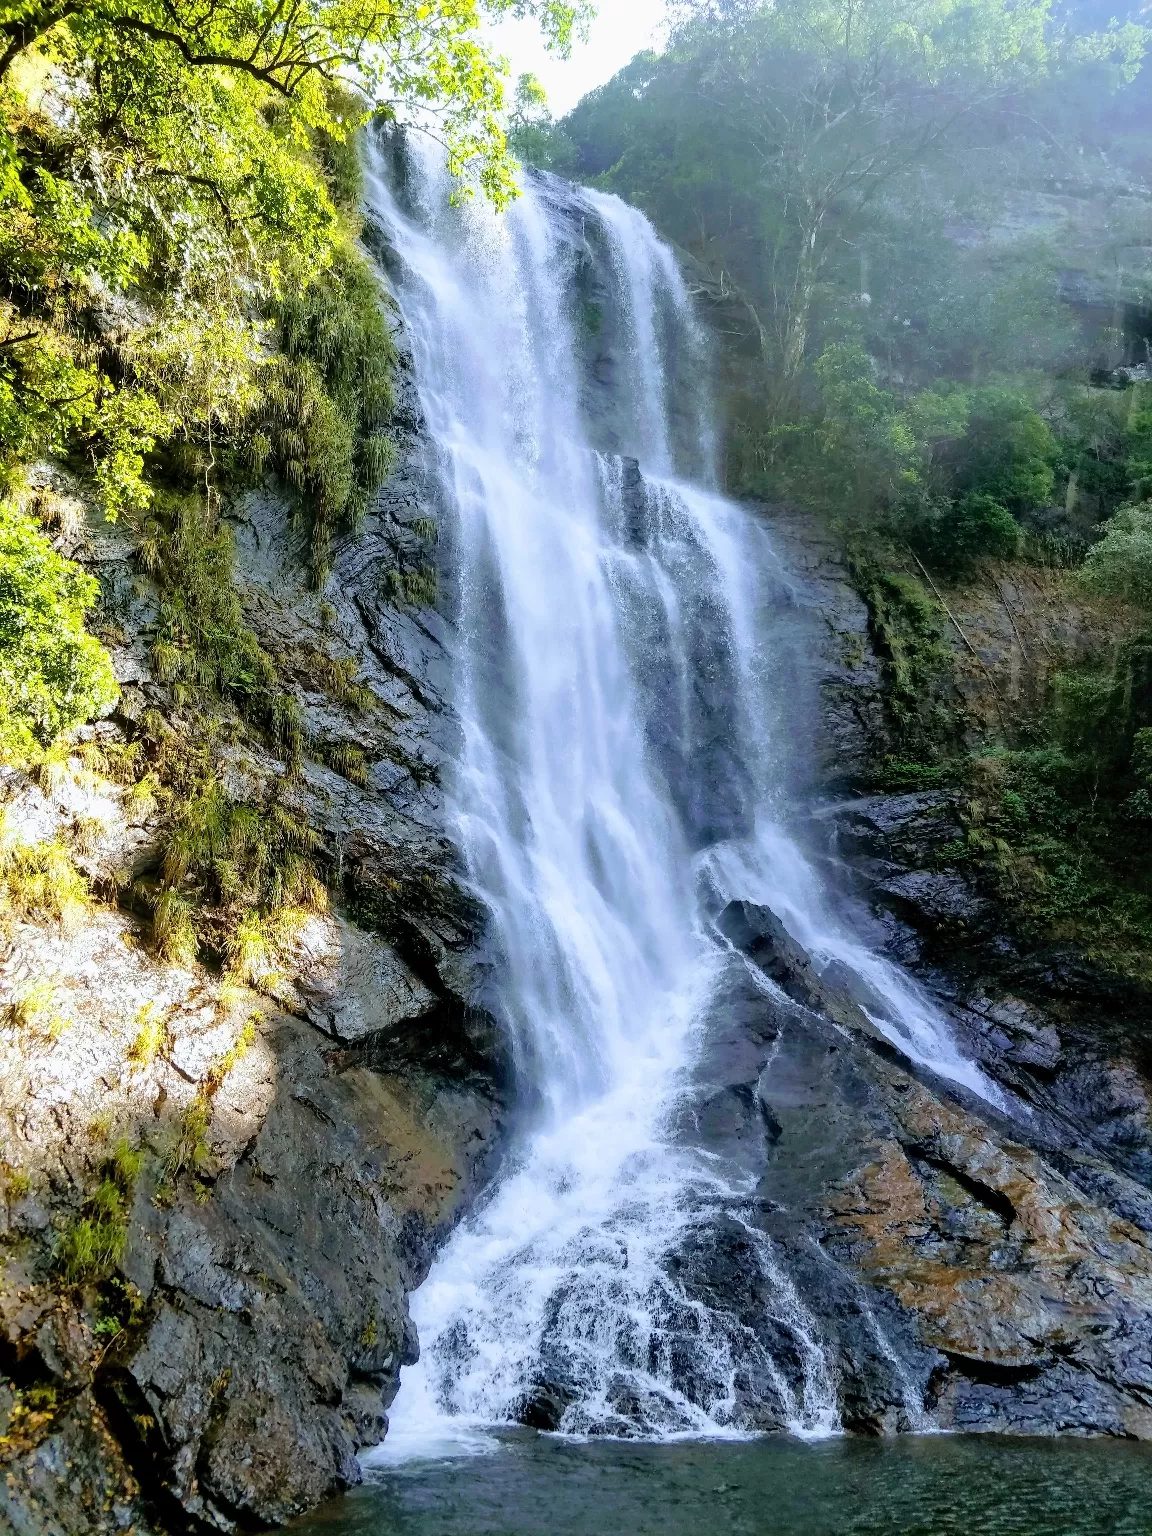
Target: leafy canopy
{"points": [[168, 170], [1120, 565], [422, 57], [767, 133]]}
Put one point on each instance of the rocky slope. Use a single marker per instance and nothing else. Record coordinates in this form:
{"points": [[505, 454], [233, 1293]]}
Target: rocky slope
{"points": [[981, 1268], [217, 1199]]}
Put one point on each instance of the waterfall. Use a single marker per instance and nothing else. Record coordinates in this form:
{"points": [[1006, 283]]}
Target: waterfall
{"points": [[619, 779]]}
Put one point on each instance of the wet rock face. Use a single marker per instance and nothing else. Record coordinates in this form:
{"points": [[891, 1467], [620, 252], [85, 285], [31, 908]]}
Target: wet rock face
{"points": [[1070, 1041], [991, 1270], [957, 1274], [279, 1318], [304, 1152], [830, 675]]}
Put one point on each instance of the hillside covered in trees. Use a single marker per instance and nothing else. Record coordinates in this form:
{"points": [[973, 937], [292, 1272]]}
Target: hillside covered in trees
{"points": [[923, 237]]}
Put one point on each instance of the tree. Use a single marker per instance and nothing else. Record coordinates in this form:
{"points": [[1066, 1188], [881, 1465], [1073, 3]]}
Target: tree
{"points": [[1120, 565], [801, 114], [168, 169], [533, 136], [422, 57]]}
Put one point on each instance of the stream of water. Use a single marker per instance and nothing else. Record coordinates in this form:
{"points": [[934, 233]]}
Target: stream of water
{"points": [[621, 778]]}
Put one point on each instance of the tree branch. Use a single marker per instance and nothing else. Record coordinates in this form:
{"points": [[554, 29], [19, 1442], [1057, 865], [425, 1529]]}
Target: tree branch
{"points": [[23, 34], [267, 74]]}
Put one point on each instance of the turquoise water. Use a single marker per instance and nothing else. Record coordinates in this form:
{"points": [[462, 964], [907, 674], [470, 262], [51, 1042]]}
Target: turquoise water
{"points": [[535, 1485]]}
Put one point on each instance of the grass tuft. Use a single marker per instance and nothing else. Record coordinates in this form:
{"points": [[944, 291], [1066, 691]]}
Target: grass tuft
{"points": [[413, 588], [91, 1245], [36, 1012], [39, 882], [151, 1037]]}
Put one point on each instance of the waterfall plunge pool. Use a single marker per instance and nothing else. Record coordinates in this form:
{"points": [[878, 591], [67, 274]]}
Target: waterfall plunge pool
{"points": [[972, 1485]]}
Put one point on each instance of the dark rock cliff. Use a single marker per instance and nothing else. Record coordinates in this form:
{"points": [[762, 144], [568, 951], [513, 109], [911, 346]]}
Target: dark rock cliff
{"points": [[973, 1267], [304, 1149]]}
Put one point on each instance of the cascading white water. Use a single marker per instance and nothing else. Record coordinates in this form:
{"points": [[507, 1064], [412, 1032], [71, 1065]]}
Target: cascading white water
{"points": [[618, 776]]}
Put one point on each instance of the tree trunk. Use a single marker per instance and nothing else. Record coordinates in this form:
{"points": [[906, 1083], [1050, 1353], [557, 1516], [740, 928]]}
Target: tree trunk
{"points": [[794, 338]]}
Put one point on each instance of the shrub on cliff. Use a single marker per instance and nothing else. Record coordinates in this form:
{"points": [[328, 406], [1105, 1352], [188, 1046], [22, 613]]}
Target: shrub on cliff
{"points": [[53, 674], [953, 535], [1120, 565], [1007, 451], [327, 399]]}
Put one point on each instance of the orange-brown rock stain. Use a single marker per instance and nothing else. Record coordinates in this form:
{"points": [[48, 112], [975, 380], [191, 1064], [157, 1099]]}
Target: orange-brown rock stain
{"points": [[993, 1252]]}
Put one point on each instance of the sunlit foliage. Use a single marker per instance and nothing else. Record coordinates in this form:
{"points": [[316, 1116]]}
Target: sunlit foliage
{"points": [[1120, 565], [183, 303], [53, 674]]}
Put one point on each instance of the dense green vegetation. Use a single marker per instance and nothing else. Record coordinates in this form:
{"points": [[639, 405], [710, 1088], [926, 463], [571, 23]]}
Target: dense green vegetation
{"points": [[52, 673], [183, 304], [923, 234], [91, 1245]]}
